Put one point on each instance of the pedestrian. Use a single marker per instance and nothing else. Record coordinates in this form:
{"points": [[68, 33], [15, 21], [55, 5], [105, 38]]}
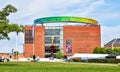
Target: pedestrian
{"points": [[38, 59], [34, 58], [10, 56]]}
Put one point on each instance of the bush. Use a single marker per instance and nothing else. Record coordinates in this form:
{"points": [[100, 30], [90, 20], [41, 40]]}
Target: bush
{"points": [[96, 50], [116, 51], [31, 56], [59, 55], [107, 60], [106, 51], [109, 51], [76, 60], [16, 53]]}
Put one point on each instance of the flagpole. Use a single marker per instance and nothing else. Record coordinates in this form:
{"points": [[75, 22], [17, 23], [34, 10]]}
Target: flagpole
{"points": [[16, 44]]}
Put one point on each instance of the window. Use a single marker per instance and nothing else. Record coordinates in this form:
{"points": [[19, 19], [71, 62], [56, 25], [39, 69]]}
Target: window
{"points": [[28, 37], [52, 32]]}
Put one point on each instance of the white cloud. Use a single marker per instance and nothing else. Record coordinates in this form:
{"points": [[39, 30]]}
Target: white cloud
{"points": [[92, 7]]}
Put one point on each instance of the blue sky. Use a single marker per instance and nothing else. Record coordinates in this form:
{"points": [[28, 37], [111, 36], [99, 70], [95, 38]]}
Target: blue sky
{"points": [[107, 12]]}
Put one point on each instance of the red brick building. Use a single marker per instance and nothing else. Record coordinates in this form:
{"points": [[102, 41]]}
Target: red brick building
{"points": [[69, 35]]}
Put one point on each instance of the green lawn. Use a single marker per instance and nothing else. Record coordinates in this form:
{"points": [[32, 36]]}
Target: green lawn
{"points": [[55, 67]]}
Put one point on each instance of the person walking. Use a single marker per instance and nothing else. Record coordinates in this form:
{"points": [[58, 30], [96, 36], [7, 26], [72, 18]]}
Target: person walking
{"points": [[34, 58]]}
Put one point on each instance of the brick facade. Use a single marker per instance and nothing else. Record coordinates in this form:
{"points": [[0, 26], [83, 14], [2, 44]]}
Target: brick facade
{"points": [[38, 42], [84, 38], [28, 48]]}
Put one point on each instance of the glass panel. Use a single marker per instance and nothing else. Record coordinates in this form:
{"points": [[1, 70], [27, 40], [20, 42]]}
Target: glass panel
{"points": [[52, 32], [49, 41]]}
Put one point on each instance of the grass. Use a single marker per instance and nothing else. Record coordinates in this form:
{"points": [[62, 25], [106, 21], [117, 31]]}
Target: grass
{"points": [[56, 67]]}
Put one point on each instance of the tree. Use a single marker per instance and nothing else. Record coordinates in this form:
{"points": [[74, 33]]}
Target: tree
{"points": [[16, 54], [5, 26], [102, 50], [106, 51], [96, 50]]}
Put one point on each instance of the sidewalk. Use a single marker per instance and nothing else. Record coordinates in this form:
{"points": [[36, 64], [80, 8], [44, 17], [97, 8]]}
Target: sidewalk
{"points": [[41, 60]]}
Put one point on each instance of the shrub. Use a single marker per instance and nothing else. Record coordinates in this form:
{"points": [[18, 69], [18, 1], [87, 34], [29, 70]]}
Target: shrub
{"points": [[16, 53], [59, 55], [106, 50], [76, 60], [109, 51], [116, 51], [96, 50], [31, 56], [107, 60]]}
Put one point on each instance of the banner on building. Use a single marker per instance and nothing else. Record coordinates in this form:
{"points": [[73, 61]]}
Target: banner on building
{"points": [[68, 46]]}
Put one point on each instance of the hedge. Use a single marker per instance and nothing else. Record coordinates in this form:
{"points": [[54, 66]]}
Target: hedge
{"points": [[106, 50], [107, 60]]}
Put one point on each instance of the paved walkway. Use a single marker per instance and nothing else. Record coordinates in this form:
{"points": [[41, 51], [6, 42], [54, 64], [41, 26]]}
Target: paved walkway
{"points": [[41, 59]]}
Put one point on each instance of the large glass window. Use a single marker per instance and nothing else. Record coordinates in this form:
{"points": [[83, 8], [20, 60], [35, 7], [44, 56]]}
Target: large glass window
{"points": [[53, 35]]}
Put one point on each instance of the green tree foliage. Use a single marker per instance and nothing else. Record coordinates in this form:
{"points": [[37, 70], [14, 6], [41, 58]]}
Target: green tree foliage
{"points": [[16, 53], [5, 26], [59, 55], [99, 50], [109, 51], [116, 51], [102, 50], [106, 51], [96, 50]]}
